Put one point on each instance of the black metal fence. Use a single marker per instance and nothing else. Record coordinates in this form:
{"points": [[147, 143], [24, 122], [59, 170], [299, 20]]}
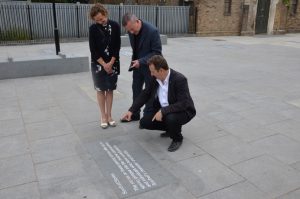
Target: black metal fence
{"points": [[33, 22]]}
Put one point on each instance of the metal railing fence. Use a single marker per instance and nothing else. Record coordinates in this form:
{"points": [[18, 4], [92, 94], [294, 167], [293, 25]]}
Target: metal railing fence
{"points": [[21, 21]]}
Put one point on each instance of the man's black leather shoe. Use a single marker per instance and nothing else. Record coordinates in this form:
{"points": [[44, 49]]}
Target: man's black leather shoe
{"points": [[141, 127], [165, 135], [174, 146]]}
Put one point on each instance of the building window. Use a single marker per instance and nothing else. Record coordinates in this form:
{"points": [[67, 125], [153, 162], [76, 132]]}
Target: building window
{"points": [[293, 8], [227, 7]]}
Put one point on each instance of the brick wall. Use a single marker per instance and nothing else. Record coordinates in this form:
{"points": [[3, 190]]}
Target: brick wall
{"points": [[279, 26], [293, 21], [211, 19]]}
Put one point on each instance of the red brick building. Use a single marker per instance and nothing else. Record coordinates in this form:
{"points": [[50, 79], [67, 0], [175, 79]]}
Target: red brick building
{"points": [[246, 17]]}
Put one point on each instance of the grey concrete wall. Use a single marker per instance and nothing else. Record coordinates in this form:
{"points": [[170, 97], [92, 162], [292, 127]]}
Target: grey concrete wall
{"points": [[43, 67]]}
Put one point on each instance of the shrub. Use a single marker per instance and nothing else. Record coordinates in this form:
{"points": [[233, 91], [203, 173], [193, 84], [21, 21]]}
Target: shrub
{"points": [[14, 35]]}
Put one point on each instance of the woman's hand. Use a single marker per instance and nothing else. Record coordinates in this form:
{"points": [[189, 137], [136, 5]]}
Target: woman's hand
{"points": [[108, 67]]}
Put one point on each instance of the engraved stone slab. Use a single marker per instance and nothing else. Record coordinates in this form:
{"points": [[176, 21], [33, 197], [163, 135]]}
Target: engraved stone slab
{"points": [[128, 166]]}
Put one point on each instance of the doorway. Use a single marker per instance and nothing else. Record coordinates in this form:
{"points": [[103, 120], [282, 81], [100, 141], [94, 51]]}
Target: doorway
{"points": [[262, 16]]}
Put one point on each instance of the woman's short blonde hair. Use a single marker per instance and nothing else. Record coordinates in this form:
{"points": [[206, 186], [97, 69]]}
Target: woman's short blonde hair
{"points": [[96, 9]]}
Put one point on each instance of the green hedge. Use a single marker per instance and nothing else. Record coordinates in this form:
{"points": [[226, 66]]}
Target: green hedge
{"points": [[14, 35]]}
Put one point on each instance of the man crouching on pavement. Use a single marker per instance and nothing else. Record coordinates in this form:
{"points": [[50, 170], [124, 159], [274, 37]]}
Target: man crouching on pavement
{"points": [[173, 106]]}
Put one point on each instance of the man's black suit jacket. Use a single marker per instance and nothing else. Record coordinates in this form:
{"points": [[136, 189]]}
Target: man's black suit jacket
{"points": [[149, 43], [179, 97]]}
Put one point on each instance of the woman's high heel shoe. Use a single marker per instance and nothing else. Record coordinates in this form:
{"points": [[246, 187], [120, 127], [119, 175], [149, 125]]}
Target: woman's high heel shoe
{"points": [[112, 123], [104, 125]]}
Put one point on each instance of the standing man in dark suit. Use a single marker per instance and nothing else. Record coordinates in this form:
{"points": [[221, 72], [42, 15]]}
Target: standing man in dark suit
{"points": [[145, 42], [169, 94]]}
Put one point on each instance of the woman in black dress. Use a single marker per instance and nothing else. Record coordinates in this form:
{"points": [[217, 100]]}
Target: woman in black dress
{"points": [[105, 43]]}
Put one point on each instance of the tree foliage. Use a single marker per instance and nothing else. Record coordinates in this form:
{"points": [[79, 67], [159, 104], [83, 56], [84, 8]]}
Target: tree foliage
{"points": [[286, 3]]}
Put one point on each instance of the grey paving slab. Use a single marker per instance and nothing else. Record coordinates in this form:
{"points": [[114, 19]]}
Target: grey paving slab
{"points": [[47, 129], [77, 118], [225, 116], [32, 88], [188, 150], [66, 167], [295, 101], [92, 130], [289, 128], [274, 104], [263, 116], [26, 191], [8, 102], [13, 145], [235, 104], [75, 187], [81, 110], [43, 114], [157, 146], [206, 130], [243, 190], [249, 96], [12, 171], [292, 114], [37, 104], [73, 177], [296, 165], [81, 104], [203, 175], [269, 175], [55, 148], [280, 147], [247, 130], [65, 92], [11, 127], [9, 113], [89, 131], [7, 89], [230, 150], [171, 191], [291, 195]]}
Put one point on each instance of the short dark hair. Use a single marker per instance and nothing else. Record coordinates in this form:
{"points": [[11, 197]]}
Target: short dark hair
{"points": [[159, 62], [128, 17], [96, 9]]}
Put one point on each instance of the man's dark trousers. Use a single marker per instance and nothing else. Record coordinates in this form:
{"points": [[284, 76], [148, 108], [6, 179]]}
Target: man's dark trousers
{"points": [[171, 123], [140, 76]]}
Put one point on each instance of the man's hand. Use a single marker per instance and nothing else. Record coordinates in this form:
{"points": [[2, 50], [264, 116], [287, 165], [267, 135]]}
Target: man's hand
{"points": [[127, 116], [158, 116], [135, 64]]}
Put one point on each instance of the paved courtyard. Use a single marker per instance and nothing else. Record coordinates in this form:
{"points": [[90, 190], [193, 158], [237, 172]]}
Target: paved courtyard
{"points": [[244, 142]]}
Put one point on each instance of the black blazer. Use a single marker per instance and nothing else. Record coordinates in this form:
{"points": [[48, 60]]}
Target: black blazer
{"points": [[98, 41], [149, 43], [179, 96]]}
